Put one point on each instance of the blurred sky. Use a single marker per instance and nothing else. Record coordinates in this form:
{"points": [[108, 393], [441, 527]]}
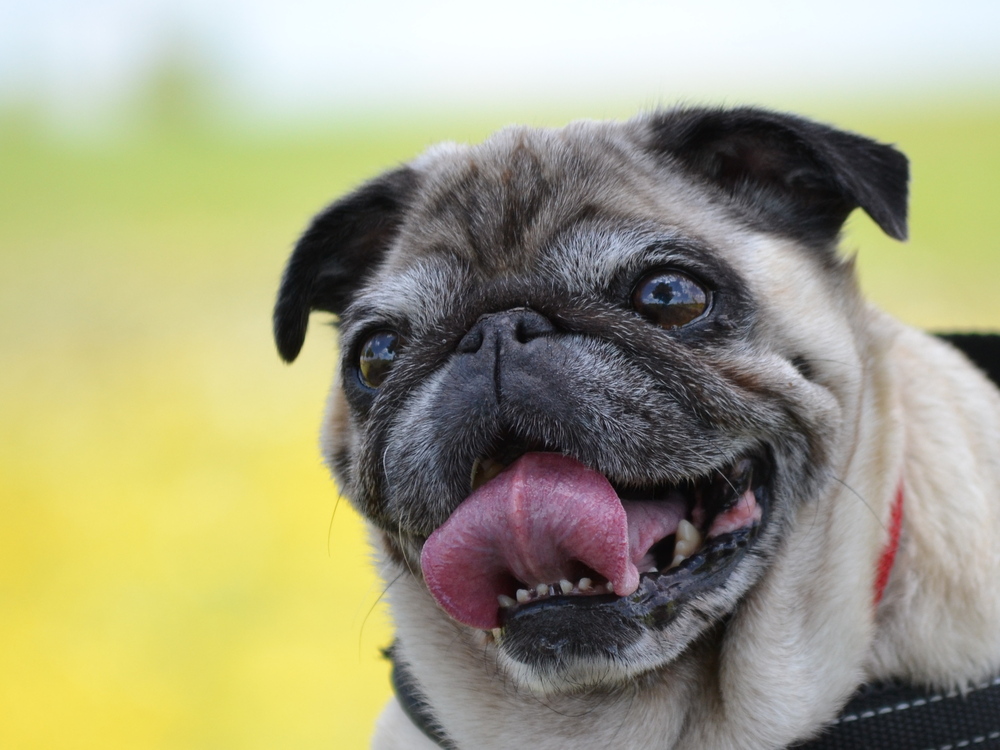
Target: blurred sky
{"points": [[77, 59]]}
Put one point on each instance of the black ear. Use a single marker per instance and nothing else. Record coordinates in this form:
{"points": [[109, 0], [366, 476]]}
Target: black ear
{"points": [[788, 174], [335, 254]]}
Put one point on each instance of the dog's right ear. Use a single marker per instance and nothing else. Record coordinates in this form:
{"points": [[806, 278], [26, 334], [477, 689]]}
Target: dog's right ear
{"points": [[339, 249], [785, 173]]}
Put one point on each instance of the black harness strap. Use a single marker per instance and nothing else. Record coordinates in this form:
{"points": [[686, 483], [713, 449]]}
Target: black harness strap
{"points": [[879, 716], [901, 717]]}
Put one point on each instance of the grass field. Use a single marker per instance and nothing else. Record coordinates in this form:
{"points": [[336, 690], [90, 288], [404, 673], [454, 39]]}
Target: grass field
{"points": [[170, 576]]}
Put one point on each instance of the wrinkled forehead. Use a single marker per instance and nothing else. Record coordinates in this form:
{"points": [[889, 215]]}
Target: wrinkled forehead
{"points": [[570, 208], [497, 206]]}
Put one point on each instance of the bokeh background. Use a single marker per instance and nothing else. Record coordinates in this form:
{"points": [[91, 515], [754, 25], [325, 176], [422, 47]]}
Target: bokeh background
{"points": [[176, 570]]}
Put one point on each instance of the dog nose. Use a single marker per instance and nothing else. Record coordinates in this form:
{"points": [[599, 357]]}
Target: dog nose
{"points": [[517, 326]]}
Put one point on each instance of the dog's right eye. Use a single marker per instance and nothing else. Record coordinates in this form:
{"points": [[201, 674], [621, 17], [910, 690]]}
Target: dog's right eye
{"points": [[376, 357], [669, 298]]}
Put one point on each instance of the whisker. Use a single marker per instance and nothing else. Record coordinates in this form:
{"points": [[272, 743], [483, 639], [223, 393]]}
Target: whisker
{"points": [[858, 495], [726, 479], [371, 609], [329, 530]]}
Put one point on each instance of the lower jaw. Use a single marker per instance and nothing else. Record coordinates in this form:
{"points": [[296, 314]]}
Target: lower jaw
{"points": [[553, 634]]}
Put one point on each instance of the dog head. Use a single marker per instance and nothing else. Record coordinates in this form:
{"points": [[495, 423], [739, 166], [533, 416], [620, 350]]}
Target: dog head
{"points": [[588, 376]]}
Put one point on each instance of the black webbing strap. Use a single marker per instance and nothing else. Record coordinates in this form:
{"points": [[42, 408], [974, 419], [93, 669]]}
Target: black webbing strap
{"points": [[900, 717], [879, 716]]}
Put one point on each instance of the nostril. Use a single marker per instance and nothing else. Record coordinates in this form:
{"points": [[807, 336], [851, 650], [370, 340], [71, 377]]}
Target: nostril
{"points": [[530, 325], [521, 332], [471, 342]]}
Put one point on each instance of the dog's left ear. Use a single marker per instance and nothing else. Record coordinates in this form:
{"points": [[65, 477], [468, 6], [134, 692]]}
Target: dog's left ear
{"points": [[787, 174], [344, 243]]}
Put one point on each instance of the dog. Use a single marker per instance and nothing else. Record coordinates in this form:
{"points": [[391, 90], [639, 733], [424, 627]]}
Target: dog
{"points": [[642, 467]]}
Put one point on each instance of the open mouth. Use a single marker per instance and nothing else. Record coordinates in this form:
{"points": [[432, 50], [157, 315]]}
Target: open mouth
{"points": [[542, 533]]}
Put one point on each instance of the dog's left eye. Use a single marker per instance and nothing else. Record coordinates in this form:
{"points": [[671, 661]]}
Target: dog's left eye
{"points": [[376, 357], [669, 298]]}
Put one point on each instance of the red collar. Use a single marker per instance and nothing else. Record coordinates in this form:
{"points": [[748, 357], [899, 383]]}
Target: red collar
{"points": [[888, 556]]}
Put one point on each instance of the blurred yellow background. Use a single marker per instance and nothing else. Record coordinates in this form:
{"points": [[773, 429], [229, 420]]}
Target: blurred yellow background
{"points": [[175, 568]]}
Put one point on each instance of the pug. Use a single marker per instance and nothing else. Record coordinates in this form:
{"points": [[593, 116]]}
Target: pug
{"points": [[642, 467]]}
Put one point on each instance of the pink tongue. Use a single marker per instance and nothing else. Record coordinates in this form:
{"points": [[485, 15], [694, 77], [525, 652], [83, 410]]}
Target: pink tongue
{"points": [[536, 522]]}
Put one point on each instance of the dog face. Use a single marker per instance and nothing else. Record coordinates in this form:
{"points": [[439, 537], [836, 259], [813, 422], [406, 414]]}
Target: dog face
{"points": [[589, 376]]}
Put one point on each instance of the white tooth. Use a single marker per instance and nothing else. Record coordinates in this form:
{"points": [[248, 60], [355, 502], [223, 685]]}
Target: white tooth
{"points": [[566, 586], [585, 584], [506, 601], [688, 532], [688, 539], [611, 587], [523, 596], [496, 634], [654, 569], [678, 559], [683, 548], [542, 590]]}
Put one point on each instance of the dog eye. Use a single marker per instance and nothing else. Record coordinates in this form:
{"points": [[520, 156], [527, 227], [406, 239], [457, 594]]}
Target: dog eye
{"points": [[376, 357], [669, 298]]}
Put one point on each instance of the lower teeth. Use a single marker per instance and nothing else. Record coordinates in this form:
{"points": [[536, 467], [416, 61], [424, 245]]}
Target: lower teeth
{"points": [[543, 591], [688, 541]]}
